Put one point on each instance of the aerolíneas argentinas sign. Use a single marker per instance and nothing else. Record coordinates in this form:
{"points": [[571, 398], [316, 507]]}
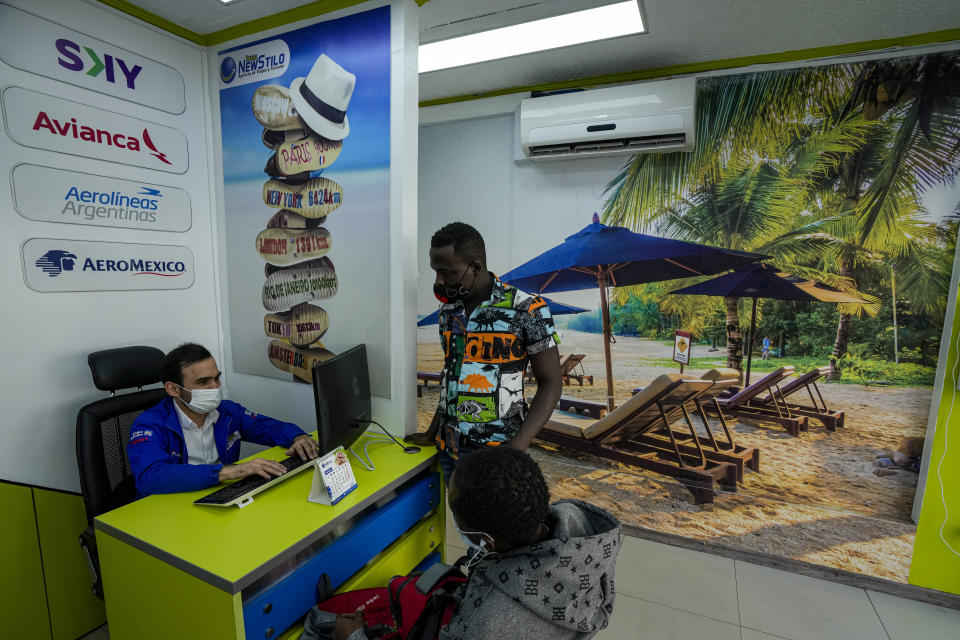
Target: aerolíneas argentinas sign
{"points": [[57, 195]]}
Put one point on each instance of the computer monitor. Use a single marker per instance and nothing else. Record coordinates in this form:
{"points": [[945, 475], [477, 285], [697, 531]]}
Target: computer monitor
{"points": [[341, 396]]}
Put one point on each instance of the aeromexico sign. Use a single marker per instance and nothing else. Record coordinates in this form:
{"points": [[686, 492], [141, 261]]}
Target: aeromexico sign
{"points": [[45, 48], [57, 195], [79, 265], [46, 122]]}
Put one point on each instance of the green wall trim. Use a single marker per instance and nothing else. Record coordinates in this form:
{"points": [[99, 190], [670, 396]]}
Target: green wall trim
{"points": [[155, 20], [310, 10], [304, 12], [932, 37]]}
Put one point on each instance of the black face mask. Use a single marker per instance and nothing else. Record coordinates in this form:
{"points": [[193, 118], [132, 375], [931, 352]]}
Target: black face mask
{"points": [[457, 293]]}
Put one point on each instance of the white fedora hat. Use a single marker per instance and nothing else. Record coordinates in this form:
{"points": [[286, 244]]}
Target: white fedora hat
{"points": [[322, 98]]}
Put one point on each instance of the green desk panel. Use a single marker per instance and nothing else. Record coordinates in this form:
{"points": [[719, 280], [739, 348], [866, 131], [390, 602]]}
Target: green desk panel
{"points": [[74, 610], [148, 599], [230, 547], [23, 613]]}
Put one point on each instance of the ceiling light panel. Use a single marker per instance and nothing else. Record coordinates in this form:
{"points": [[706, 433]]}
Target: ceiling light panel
{"points": [[600, 23]]}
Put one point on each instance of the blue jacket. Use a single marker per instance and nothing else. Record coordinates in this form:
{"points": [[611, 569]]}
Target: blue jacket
{"points": [[158, 456]]}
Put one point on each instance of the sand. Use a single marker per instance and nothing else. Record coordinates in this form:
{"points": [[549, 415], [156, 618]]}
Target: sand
{"points": [[816, 499]]}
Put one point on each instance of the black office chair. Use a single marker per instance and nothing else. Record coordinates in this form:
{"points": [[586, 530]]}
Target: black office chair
{"points": [[103, 429]]}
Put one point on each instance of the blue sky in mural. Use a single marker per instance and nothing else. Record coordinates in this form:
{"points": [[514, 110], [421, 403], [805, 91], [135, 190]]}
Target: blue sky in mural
{"points": [[360, 44]]}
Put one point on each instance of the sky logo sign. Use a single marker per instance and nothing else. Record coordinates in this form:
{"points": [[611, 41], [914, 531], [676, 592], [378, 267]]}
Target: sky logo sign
{"points": [[72, 59], [53, 50]]}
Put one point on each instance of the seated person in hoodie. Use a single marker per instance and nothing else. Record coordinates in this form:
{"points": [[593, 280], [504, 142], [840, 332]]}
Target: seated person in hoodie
{"points": [[539, 570], [191, 439]]}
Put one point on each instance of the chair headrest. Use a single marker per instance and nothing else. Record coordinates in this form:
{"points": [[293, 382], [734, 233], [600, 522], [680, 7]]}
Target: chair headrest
{"points": [[125, 367]]}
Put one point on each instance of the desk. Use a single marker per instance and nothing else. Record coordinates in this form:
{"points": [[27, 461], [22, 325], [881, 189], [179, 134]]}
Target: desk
{"points": [[172, 569]]}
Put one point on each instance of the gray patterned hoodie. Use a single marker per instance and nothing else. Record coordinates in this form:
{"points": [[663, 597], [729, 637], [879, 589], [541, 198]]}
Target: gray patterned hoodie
{"points": [[556, 589]]}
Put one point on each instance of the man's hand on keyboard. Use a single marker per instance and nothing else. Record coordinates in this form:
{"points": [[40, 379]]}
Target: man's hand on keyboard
{"points": [[256, 467], [305, 447]]}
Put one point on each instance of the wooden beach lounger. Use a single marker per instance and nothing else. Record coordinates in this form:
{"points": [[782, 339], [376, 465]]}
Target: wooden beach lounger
{"points": [[427, 377], [714, 449], [617, 436], [817, 409], [570, 363], [567, 366], [744, 403]]}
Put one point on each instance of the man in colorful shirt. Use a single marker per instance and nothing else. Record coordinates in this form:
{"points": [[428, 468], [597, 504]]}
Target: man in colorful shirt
{"points": [[489, 330]]}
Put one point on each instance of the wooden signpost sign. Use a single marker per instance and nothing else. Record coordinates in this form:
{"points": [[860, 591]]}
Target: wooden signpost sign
{"points": [[681, 348]]}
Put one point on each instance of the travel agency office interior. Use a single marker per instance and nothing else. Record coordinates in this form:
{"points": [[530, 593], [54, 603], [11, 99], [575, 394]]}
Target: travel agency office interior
{"points": [[162, 190]]}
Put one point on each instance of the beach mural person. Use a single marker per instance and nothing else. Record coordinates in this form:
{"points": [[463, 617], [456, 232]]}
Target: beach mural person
{"points": [[319, 256]]}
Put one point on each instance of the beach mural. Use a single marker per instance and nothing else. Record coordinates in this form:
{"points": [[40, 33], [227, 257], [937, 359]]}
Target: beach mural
{"points": [[844, 177], [306, 147]]}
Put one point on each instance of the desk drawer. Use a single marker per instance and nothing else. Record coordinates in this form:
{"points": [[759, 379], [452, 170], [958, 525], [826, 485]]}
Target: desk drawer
{"points": [[272, 611]]}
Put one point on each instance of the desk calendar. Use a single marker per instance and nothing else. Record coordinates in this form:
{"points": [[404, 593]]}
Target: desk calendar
{"points": [[332, 478]]}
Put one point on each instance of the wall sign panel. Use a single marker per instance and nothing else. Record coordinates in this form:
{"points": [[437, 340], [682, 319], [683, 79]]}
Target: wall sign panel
{"points": [[57, 195], [51, 265], [46, 48], [254, 64], [43, 121]]}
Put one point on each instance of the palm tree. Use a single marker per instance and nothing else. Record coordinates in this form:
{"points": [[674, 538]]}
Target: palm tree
{"points": [[736, 115], [744, 118], [918, 99], [757, 205]]}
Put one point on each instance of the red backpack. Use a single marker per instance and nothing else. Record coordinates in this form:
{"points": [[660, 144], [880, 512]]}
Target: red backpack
{"points": [[410, 607]]}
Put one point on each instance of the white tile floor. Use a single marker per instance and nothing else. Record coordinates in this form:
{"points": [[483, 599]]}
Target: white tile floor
{"points": [[667, 593]]}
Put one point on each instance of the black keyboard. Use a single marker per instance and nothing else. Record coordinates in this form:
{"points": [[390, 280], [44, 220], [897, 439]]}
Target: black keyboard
{"points": [[247, 487]]}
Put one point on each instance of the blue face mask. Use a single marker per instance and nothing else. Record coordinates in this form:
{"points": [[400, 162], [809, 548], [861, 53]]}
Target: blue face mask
{"points": [[477, 551]]}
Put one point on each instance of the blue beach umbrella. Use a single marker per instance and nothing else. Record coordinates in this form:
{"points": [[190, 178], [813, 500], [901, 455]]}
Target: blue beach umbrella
{"points": [[599, 256], [765, 281], [556, 308]]}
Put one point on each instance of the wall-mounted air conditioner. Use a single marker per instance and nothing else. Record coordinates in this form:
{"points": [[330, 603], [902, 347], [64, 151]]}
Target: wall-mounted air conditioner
{"points": [[651, 117]]}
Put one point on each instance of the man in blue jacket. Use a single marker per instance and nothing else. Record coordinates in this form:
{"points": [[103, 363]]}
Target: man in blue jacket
{"points": [[191, 439]]}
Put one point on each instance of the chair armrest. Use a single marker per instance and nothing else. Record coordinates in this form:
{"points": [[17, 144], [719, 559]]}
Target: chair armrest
{"points": [[582, 407]]}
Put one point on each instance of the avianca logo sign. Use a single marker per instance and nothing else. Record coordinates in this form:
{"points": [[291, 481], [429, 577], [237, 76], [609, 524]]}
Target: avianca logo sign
{"points": [[70, 128], [71, 60]]}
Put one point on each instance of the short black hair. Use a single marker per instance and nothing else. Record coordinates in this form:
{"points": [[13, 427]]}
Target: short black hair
{"points": [[501, 491], [467, 241], [172, 364]]}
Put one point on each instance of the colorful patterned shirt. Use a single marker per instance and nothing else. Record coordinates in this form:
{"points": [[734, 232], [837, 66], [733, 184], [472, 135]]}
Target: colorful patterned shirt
{"points": [[484, 358]]}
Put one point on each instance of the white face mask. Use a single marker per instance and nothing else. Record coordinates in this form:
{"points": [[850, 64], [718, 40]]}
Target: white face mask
{"points": [[204, 400], [479, 551]]}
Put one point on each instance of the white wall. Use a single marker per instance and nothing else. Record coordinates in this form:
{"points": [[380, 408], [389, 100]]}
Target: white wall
{"points": [[468, 173], [47, 336], [292, 401]]}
